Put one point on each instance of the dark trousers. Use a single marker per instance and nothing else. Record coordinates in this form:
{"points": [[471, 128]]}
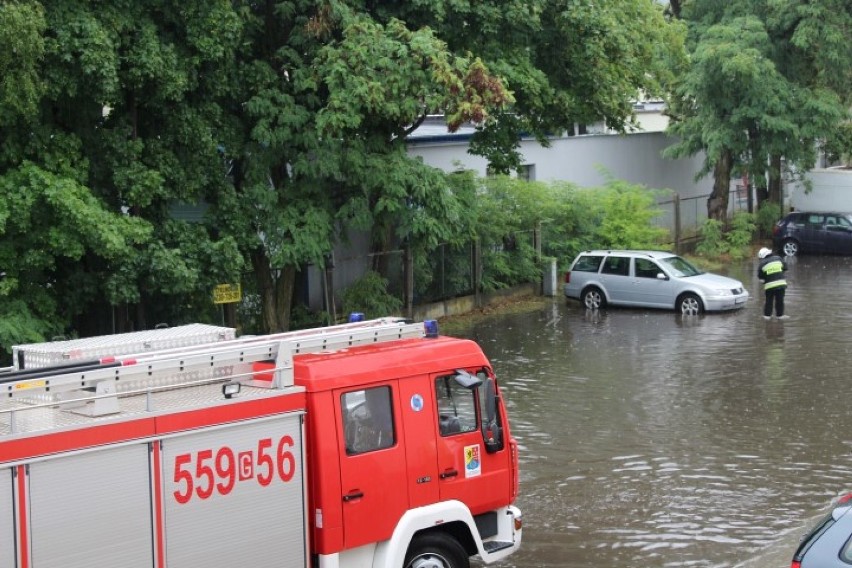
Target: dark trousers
{"points": [[774, 296]]}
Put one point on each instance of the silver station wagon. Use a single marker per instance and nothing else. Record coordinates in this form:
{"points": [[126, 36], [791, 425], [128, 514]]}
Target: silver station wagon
{"points": [[651, 279]]}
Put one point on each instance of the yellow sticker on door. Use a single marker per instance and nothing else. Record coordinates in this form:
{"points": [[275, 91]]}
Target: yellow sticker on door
{"points": [[472, 461]]}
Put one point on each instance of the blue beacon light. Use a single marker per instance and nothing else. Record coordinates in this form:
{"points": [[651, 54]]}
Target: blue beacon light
{"points": [[431, 327], [356, 316]]}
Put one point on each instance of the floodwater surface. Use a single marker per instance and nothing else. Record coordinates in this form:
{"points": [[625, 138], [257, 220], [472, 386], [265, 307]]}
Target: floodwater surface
{"points": [[652, 439]]}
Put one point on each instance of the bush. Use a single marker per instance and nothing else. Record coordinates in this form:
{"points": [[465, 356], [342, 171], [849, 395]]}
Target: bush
{"points": [[711, 241], [740, 237], [767, 215], [626, 217], [369, 295]]}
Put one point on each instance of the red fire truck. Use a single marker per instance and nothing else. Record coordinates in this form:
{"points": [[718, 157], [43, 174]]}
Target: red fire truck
{"points": [[374, 443]]}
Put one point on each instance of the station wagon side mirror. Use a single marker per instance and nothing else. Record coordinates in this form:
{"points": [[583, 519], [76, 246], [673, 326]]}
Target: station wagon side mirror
{"points": [[662, 276]]}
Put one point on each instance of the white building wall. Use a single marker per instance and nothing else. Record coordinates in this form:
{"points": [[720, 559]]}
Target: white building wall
{"points": [[583, 160], [832, 191]]}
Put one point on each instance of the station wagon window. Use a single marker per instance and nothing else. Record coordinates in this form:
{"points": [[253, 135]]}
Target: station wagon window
{"points": [[645, 268], [588, 263], [680, 267], [619, 265], [456, 406], [367, 420]]}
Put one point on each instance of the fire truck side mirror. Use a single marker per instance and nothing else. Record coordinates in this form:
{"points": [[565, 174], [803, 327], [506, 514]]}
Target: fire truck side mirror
{"points": [[492, 431]]}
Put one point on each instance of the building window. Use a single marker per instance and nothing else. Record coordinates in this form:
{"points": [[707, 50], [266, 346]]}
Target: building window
{"points": [[527, 172]]}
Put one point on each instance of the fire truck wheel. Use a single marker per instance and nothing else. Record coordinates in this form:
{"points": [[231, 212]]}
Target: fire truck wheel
{"points": [[436, 550]]}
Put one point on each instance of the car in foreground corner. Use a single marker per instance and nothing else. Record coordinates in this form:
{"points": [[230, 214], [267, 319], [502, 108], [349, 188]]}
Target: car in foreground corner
{"points": [[829, 543], [813, 232], [651, 279]]}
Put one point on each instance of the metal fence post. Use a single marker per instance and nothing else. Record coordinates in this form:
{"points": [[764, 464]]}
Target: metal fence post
{"points": [[537, 240], [408, 279], [476, 263], [677, 235]]}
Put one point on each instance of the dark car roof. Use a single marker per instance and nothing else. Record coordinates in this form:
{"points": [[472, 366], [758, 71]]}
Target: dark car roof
{"points": [[846, 213]]}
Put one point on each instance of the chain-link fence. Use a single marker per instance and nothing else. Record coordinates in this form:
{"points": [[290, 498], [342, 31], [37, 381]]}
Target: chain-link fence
{"points": [[447, 272], [684, 217]]}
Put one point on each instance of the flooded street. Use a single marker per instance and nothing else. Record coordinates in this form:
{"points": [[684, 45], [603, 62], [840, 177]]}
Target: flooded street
{"points": [[652, 439]]}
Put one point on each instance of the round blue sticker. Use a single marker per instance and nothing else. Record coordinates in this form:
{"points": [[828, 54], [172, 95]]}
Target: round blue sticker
{"points": [[416, 403]]}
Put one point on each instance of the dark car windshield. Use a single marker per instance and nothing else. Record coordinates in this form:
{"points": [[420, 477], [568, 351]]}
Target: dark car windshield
{"points": [[679, 267]]}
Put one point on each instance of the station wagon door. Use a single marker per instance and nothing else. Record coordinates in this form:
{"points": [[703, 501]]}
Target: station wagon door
{"points": [[648, 288], [615, 277]]}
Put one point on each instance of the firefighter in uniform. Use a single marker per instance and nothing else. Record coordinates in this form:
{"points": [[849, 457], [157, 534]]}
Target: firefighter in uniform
{"points": [[771, 271]]}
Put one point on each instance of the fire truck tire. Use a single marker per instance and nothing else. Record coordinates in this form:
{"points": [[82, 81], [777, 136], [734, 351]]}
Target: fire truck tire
{"points": [[436, 550]]}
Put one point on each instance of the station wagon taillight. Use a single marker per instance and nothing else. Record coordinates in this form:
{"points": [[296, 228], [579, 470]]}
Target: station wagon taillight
{"points": [[796, 564], [568, 277]]}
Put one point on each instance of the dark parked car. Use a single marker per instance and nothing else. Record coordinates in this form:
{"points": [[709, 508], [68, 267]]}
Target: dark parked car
{"points": [[829, 543], [813, 232]]}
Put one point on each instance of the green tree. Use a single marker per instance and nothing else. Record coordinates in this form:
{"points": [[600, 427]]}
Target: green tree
{"points": [[335, 94], [113, 134], [565, 62], [766, 80], [58, 242], [282, 126]]}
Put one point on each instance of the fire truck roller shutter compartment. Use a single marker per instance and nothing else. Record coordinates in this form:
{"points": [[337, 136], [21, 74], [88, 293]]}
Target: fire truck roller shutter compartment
{"points": [[234, 496], [7, 520], [92, 509]]}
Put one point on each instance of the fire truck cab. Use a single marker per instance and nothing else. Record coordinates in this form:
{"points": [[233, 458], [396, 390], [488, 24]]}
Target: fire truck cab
{"points": [[376, 443]]}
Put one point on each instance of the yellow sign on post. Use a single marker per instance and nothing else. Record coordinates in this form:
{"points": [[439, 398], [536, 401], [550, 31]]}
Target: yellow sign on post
{"points": [[227, 293]]}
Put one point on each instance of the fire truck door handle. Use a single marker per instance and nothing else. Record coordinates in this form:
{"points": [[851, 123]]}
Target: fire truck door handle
{"points": [[449, 473], [352, 496]]}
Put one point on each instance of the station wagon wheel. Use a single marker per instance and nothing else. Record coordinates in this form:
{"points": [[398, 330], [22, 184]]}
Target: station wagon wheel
{"points": [[593, 298], [790, 247], [689, 305], [436, 550]]}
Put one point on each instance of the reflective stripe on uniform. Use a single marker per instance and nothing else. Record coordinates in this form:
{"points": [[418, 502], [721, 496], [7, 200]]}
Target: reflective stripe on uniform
{"points": [[773, 267], [774, 273]]}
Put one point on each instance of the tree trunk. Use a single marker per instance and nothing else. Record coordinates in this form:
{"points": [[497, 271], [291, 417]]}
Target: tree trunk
{"points": [[774, 193], [276, 292], [381, 246], [717, 203]]}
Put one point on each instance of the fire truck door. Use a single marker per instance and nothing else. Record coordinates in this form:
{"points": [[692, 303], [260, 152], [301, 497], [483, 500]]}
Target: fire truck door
{"points": [[7, 520], [372, 463], [418, 421], [466, 471]]}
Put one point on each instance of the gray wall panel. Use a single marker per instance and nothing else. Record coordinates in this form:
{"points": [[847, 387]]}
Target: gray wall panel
{"points": [[92, 510], [7, 520], [247, 524]]}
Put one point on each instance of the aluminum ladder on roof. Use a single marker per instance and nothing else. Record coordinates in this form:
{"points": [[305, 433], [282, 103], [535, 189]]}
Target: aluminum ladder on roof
{"points": [[196, 364]]}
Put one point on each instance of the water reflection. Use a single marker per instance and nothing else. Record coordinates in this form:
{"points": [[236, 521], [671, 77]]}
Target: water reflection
{"points": [[654, 439]]}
